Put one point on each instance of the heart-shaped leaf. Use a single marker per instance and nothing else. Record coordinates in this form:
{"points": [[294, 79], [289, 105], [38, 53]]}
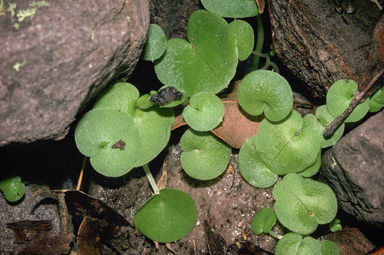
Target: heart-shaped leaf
{"points": [[12, 188], [206, 63], [302, 203], [204, 156], [111, 139], [285, 146], [294, 244], [232, 9], [167, 217], [340, 95], [156, 43], [205, 111], [266, 91], [263, 221], [252, 168]]}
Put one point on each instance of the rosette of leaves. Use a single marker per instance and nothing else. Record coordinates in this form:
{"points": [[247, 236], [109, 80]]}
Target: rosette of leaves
{"points": [[117, 135], [279, 148], [12, 188], [207, 61]]}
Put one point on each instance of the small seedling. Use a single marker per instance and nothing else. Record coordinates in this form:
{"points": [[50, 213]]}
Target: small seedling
{"points": [[12, 188]]}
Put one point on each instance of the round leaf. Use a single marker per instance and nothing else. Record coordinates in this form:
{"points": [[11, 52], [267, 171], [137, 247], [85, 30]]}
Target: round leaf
{"points": [[263, 221], [339, 97], [98, 135], [253, 170], [204, 156], [121, 96], [313, 169], [268, 92], [329, 248], [154, 125], [206, 63], [377, 100], [205, 112], [156, 43], [12, 188], [285, 147], [303, 203], [294, 244], [232, 9], [167, 217]]}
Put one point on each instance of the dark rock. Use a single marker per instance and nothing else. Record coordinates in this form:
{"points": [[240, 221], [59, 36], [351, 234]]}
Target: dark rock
{"points": [[319, 45], [172, 15], [58, 56], [354, 170]]}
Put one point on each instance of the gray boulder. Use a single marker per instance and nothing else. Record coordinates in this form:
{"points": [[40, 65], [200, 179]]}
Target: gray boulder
{"points": [[57, 55], [354, 168]]}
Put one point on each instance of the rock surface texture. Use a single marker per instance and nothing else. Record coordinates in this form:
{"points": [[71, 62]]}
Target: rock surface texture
{"points": [[319, 45], [354, 170], [56, 55]]}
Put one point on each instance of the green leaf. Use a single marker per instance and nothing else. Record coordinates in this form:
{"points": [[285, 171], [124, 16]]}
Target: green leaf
{"points": [[143, 102], [253, 170], [167, 217], [313, 169], [377, 100], [244, 35], [266, 91], [204, 156], [156, 43], [99, 130], [285, 147], [206, 63], [339, 97], [121, 96], [232, 9], [12, 188], [335, 225], [154, 125], [294, 244], [263, 221], [205, 111], [303, 203], [319, 122], [329, 248]]}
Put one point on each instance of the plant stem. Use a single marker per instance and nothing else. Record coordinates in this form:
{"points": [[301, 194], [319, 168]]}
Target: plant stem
{"points": [[150, 179], [277, 236], [259, 42]]}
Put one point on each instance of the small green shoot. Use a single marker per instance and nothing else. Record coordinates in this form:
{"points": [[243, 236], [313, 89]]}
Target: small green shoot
{"points": [[263, 221], [13, 188], [335, 225]]}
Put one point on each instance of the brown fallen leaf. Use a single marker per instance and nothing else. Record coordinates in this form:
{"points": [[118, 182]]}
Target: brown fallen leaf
{"points": [[38, 237], [261, 5], [373, 77]]}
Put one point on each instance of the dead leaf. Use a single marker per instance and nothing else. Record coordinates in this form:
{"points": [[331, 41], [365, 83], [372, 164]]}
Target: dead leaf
{"points": [[89, 236], [261, 5], [38, 237], [373, 77]]}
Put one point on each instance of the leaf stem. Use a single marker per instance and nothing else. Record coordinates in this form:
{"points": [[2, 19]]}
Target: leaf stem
{"points": [[150, 179], [260, 41], [277, 236]]}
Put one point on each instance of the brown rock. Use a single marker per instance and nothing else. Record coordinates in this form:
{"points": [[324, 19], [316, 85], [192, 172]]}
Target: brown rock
{"points": [[354, 170], [56, 56], [319, 45]]}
